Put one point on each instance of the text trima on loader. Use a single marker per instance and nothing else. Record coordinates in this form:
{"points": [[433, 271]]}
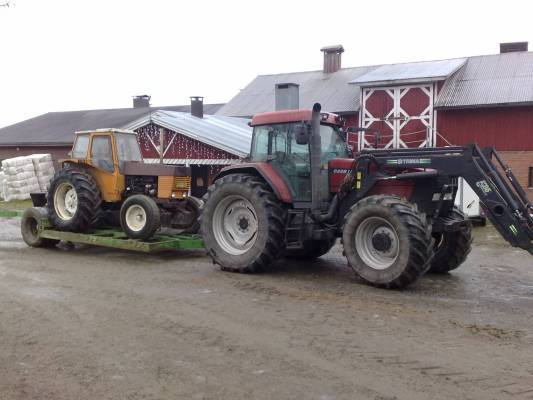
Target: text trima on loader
{"points": [[393, 209], [106, 180]]}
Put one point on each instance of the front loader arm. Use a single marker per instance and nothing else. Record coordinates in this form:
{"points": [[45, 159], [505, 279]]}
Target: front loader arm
{"points": [[500, 194]]}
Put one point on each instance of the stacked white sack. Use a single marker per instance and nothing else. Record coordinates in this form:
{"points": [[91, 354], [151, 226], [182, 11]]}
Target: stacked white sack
{"points": [[2, 185], [21, 179], [44, 169]]}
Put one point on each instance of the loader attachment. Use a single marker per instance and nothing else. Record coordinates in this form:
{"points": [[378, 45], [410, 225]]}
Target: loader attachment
{"points": [[501, 195]]}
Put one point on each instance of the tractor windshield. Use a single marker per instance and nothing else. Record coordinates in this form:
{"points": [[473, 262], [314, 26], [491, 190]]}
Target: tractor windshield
{"points": [[127, 147], [276, 144]]}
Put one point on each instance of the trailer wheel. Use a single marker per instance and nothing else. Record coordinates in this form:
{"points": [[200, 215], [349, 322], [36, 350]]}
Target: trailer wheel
{"points": [[312, 249], [387, 241], [73, 200], [242, 224], [29, 228], [451, 248], [140, 217]]}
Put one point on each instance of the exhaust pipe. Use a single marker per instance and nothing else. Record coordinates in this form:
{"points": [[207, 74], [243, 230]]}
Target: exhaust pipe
{"points": [[316, 167], [315, 160]]}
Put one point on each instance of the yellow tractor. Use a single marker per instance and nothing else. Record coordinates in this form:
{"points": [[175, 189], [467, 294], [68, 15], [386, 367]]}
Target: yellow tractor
{"points": [[105, 179]]}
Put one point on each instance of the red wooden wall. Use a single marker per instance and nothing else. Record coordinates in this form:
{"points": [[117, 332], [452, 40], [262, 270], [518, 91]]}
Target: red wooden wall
{"points": [[506, 128], [182, 146]]}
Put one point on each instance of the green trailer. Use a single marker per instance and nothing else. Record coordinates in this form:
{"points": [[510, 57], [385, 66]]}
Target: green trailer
{"points": [[38, 232]]}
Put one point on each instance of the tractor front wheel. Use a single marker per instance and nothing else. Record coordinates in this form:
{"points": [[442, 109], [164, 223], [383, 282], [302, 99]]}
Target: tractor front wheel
{"points": [[140, 217], [387, 241], [242, 224]]}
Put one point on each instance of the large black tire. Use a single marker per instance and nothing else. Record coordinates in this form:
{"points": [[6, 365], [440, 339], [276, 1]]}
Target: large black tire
{"points": [[29, 227], [140, 217], [77, 218], [451, 248], [387, 241], [311, 249], [242, 224]]}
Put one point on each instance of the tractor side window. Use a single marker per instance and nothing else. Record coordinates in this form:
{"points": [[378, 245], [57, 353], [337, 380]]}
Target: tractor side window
{"points": [[332, 143], [260, 144], [101, 153], [127, 149], [80, 147]]}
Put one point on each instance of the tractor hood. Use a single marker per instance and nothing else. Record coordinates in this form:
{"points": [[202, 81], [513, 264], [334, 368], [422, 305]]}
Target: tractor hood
{"points": [[142, 169]]}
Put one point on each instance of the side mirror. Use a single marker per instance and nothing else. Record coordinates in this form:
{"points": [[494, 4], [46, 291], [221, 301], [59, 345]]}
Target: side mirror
{"points": [[302, 133]]}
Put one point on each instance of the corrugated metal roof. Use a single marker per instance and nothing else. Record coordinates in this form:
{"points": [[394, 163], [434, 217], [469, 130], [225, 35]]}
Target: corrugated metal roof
{"points": [[226, 133], [490, 80], [57, 128], [412, 72], [331, 90]]}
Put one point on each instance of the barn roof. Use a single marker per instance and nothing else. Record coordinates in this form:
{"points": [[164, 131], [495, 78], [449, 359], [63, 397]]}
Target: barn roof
{"points": [[57, 128], [331, 90], [423, 71], [491, 80], [471, 81], [230, 134]]}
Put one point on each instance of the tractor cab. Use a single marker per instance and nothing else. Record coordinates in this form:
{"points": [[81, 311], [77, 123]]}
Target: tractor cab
{"points": [[282, 139]]}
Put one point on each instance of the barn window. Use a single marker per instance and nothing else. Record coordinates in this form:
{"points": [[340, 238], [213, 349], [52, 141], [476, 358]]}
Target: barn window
{"points": [[530, 177]]}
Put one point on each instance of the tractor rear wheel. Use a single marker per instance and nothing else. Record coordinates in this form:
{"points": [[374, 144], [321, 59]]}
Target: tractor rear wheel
{"points": [[73, 200], [311, 249], [387, 241], [451, 248], [140, 217], [242, 224]]}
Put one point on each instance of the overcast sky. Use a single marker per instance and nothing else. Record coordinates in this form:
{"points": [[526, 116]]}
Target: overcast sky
{"points": [[59, 55]]}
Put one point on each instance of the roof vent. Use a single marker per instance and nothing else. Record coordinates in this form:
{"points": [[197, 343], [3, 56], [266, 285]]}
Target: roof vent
{"points": [[511, 47], [197, 106], [287, 96], [141, 101], [332, 58]]}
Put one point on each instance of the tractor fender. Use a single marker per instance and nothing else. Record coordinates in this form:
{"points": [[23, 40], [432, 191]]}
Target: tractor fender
{"points": [[265, 171]]}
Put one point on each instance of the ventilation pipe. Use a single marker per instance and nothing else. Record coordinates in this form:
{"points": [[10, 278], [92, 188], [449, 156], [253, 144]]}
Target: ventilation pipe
{"points": [[197, 106], [141, 101]]}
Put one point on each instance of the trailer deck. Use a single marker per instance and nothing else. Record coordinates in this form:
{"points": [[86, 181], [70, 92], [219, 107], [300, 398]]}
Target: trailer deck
{"points": [[115, 237]]}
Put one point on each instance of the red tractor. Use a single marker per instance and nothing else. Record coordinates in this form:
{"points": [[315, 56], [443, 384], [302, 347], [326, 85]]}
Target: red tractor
{"points": [[393, 208]]}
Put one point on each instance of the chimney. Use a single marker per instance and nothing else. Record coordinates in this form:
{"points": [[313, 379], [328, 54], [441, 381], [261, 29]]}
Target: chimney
{"points": [[287, 96], [197, 106], [511, 47], [141, 101], [332, 58]]}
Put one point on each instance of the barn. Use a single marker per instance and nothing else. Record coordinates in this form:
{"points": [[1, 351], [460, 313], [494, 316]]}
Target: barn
{"points": [[185, 135], [206, 143], [485, 99], [53, 132]]}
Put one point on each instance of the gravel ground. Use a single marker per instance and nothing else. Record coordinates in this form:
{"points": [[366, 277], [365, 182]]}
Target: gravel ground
{"points": [[90, 323]]}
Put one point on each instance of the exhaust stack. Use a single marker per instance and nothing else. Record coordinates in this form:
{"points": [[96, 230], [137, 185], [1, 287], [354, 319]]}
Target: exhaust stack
{"points": [[315, 159]]}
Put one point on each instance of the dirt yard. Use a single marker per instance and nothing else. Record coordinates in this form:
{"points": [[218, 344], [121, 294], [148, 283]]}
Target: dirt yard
{"points": [[92, 323]]}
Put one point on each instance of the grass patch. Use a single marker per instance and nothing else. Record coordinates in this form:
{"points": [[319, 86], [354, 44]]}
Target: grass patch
{"points": [[15, 205]]}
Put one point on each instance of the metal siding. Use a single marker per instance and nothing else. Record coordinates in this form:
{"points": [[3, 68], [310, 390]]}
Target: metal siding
{"points": [[490, 80], [506, 128], [423, 71], [331, 90]]}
